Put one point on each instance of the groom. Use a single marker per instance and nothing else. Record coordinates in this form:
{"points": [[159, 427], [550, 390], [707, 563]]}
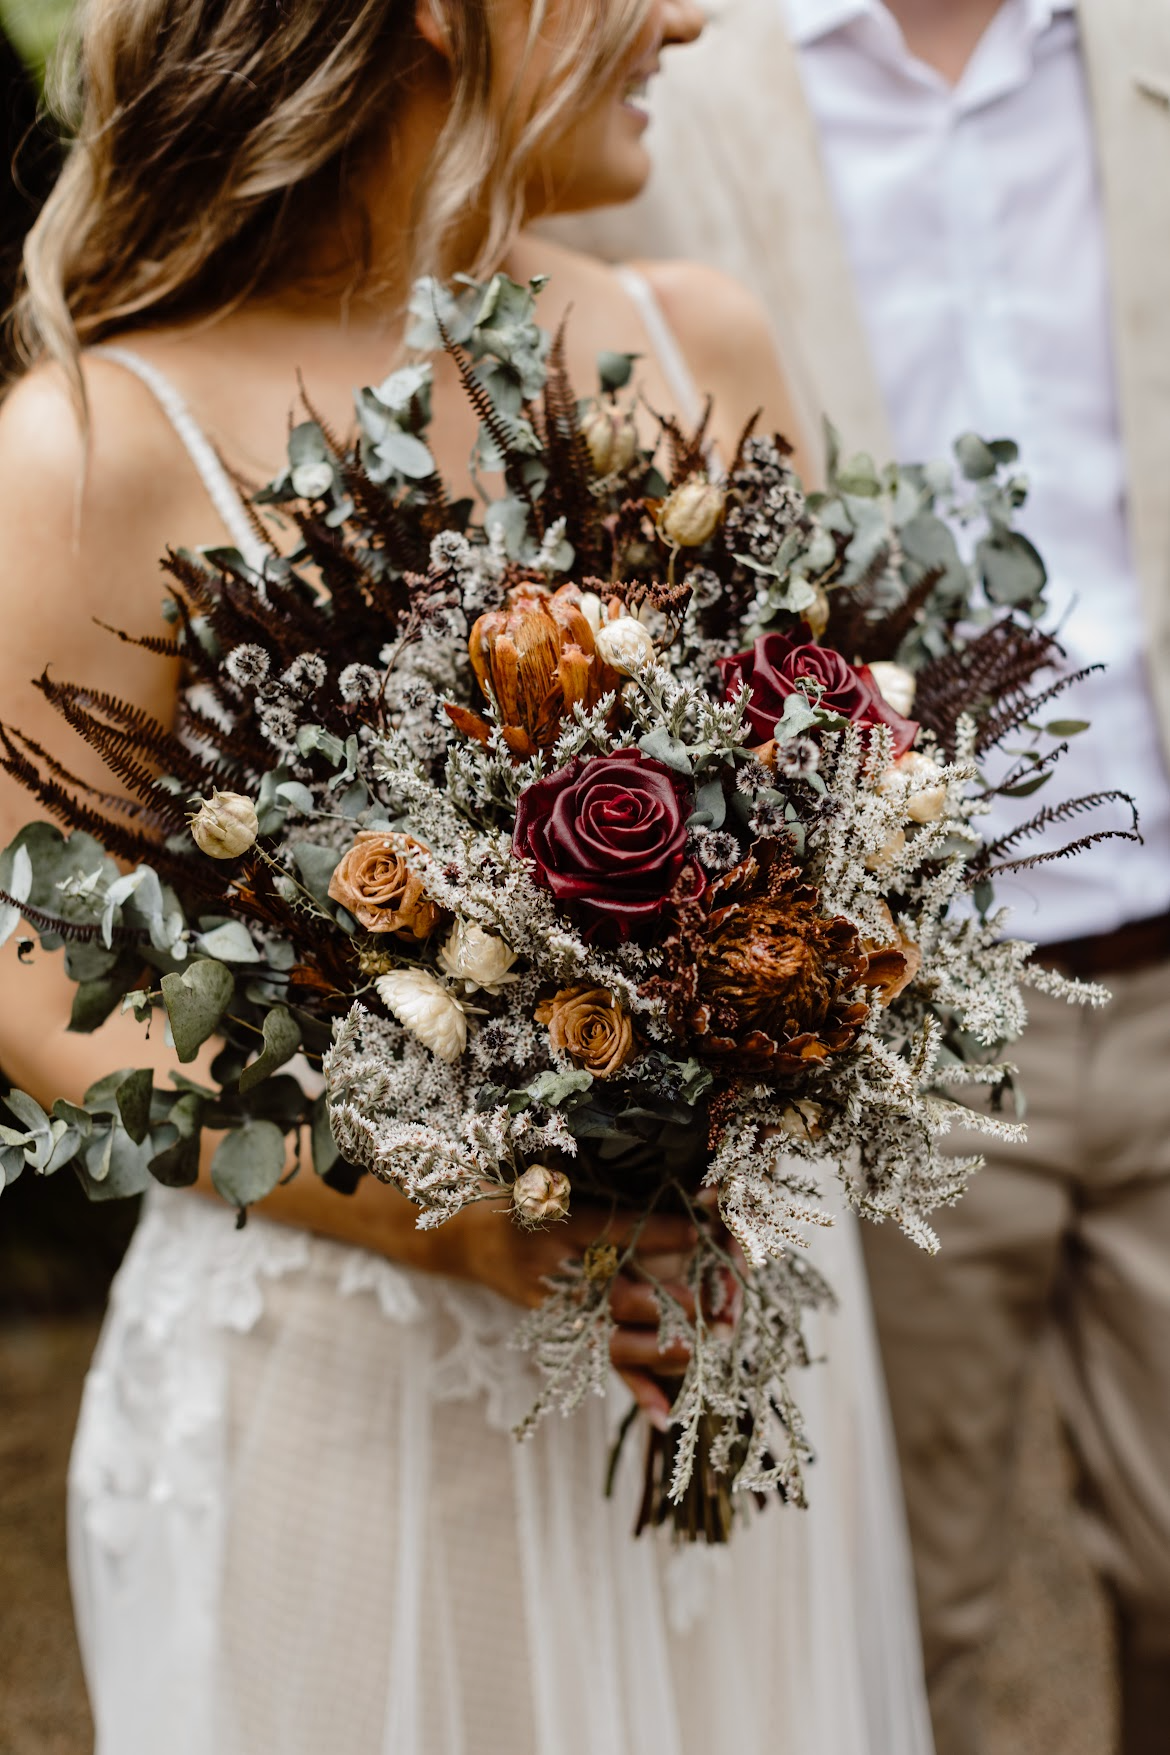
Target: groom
{"points": [[958, 212]]}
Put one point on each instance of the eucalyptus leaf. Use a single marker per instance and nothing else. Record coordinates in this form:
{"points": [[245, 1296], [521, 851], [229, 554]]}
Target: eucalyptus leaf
{"points": [[316, 866], [614, 370], [134, 1096], [230, 942], [196, 1000], [1013, 572], [551, 1088], [249, 1163], [1066, 727], [710, 806], [112, 1167], [975, 456], [666, 749], [282, 1038]]}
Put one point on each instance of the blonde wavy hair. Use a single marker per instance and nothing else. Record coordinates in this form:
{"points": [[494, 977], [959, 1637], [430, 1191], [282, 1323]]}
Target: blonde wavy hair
{"points": [[209, 133]]}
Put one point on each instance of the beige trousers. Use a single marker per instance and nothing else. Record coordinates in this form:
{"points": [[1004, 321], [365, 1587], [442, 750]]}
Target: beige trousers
{"points": [[1063, 1244]]}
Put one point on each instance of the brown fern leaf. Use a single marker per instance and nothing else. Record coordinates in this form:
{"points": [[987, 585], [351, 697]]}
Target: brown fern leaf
{"points": [[569, 493], [485, 410], [972, 679], [376, 511], [129, 730], [80, 932], [338, 446], [1018, 706], [162, 645], [1049, 816], [1083, 842], [782, 445]]}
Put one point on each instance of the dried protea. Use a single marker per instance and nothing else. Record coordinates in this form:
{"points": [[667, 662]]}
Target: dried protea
{"points": [[537, 659], [778, 980]]}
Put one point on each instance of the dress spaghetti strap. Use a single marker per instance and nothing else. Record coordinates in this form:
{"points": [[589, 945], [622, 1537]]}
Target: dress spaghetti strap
{"points": [[221, 490], [670, 356]]}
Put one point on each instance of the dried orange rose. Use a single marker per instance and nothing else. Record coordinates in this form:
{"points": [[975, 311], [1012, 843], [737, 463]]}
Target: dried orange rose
{"points": [[589, 1025], [381, 892]]}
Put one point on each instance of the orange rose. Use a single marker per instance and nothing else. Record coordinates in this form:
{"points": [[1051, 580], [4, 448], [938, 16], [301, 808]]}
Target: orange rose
{"points": [[374, 882], [589, 1025]]}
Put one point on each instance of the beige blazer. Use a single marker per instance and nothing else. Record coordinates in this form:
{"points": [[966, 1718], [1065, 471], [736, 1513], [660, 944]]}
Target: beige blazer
{"points": [[739, 183]]}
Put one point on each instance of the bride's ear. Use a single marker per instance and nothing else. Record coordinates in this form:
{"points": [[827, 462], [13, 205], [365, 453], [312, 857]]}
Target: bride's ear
{"points": [[432, 26]]}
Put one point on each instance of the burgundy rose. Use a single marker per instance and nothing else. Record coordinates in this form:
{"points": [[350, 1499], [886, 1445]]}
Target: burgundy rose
{"points": [[610, 836], [776, 664]]}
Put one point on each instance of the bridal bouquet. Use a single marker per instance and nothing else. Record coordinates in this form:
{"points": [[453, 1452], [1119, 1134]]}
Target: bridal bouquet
{"points": [[618, 841]]}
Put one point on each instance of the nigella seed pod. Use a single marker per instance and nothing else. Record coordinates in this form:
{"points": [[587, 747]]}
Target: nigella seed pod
{"points": [[610, 438], [541, 1194], [692, 513], [225, 825]]}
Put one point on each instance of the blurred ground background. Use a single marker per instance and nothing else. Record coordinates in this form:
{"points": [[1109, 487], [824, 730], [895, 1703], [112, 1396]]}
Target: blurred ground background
{"points": [[1049, 1673]]}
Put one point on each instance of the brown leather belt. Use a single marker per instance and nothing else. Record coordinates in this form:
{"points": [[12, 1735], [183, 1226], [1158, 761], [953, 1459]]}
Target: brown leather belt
{"points": [[1136, 945]]}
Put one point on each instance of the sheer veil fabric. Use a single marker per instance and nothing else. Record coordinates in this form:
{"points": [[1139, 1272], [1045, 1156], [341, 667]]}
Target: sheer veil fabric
{"points": [[299, 1521]]}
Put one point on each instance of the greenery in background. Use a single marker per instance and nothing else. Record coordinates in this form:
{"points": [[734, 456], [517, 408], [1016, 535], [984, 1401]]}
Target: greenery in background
{"points": [[34, 26]]}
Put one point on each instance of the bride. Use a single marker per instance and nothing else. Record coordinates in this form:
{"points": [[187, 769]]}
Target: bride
{"points": [[299, 1522]]}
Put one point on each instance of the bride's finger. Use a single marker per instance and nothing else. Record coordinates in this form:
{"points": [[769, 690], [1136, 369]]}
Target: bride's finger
{"points": [[633, 1301], [650, 1397], [637, 1348]]}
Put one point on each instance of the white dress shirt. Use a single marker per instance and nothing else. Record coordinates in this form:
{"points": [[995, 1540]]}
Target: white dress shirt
{"points": [[972, 219]]}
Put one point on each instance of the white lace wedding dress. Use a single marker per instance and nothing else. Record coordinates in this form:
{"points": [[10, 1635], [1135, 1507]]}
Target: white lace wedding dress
{"points": [[299, 1524]]}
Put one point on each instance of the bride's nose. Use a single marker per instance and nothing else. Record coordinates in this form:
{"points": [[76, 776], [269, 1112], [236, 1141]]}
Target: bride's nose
{"points": [[682, 21]]}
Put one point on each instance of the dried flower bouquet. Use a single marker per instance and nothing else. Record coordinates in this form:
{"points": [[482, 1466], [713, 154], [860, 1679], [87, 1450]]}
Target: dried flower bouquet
{"points": [[617, 840]]}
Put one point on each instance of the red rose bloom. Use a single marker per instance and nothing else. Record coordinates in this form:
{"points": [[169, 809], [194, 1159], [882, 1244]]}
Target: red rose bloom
{"points": [[777, 663], [610, 837]]}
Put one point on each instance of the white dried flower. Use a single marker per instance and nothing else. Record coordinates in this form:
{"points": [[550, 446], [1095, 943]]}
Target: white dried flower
{"points": [[926, 805], [540, 1194], [611, 439], [592, 609], [625, 645], [225, 825], [691, 514], [427, 1009], [247, 665], [888, 854], [896, 685], [477, 957], [359, 682], [312, 481]]}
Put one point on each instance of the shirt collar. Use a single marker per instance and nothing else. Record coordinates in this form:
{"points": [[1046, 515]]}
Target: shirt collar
{"points": [[808, 20]]}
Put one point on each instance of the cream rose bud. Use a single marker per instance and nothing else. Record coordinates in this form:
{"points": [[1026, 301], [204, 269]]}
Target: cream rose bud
{"points": [[477, 957], [424, 1006], [225, 825], [928, 804], [540, 1194], [896, 685], [611, 439], [690, 516], [625, 645]]}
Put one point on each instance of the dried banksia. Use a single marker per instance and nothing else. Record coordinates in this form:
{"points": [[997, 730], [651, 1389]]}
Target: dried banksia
{"points": [[777, 978]]}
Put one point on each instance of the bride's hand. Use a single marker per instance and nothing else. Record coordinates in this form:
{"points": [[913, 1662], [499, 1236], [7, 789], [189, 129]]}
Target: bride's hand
{"points": [[484, 1244]]}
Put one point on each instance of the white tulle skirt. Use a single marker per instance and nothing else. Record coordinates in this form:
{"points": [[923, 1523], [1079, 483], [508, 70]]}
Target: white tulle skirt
{"points": [[300, 1526]]}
